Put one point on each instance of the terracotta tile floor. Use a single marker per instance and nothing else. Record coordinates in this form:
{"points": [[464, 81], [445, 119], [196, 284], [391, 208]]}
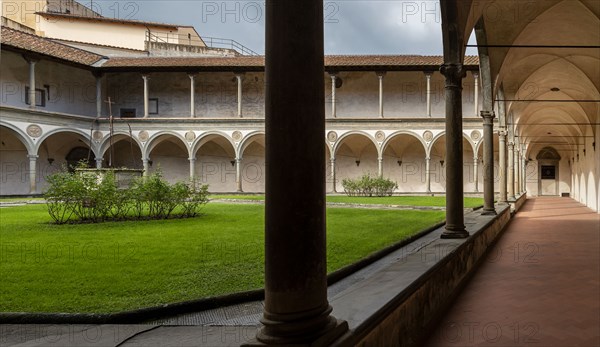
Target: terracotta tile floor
{"points": [[540, 285]]}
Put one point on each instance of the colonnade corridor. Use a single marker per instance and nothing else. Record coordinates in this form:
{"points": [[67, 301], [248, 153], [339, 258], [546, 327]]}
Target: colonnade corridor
{"points": [[538, 286]]}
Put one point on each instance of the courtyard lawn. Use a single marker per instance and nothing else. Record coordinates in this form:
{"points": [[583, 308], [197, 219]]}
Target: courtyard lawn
{"points": [[118, 266], [428, 201]]}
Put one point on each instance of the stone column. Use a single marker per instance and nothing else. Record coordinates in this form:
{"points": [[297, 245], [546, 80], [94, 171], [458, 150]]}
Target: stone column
{"points": [[455, 225], [428, 174], [380, 167], [333, 77], [524, 170], [146, 111], [333, 177], [502, 172], [428, 77], [32, 62], [146, 166], [488, 163], [238, 174], [192, 168], [511, 171], [476, 93], [239, 77], [517, 169], [192, 95], [32, 172], [98, 94], [296, 310], [476, 172], [99, 163], [380, 76]]}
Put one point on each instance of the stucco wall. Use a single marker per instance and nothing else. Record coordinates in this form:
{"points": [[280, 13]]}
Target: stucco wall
{"points": [[68, 89]]}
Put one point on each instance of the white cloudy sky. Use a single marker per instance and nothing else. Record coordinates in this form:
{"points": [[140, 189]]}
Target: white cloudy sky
{"points": [[351, 26]]}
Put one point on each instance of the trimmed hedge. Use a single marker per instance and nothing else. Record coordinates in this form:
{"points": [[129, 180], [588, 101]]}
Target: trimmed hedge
{"points": [[369, 186]]}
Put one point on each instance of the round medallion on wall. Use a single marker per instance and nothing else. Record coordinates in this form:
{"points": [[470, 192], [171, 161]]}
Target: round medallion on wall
{"points": [[190, 136], [428, 136], [475, 135], [237, 136], [34, 130], [380, 136], [97, 135], [143, 136], [332, 136]]}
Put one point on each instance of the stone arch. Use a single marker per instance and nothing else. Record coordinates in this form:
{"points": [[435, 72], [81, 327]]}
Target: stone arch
{"points": [[169, 152], [340, 140], [161, 136], [251, 152], [215, 165], [22, 136], [356, 153], [83, 134], [247, 141], [14, 161], [404, 161], [131, 154], [443, 133]]}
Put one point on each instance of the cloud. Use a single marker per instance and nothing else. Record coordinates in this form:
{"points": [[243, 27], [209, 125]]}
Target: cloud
{"points": [[351, 26]]}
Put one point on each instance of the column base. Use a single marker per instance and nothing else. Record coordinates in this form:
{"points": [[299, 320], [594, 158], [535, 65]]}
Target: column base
{"points": [[332, 331], [455, 233], [489, 212]]}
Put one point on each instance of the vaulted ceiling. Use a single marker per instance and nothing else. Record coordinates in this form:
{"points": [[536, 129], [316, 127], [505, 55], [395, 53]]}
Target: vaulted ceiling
{"points": [[545, 57]]}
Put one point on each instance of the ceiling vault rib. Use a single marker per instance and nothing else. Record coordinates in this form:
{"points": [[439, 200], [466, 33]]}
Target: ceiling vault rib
{"points": [[536, 46]]}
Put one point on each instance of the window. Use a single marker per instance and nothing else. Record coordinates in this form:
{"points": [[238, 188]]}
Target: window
{"points": [[127, 113], [548, 172], [153, 106], [40, 97]]}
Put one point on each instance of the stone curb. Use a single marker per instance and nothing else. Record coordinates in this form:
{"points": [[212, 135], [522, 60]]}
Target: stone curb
{"points": [[160, 312]]}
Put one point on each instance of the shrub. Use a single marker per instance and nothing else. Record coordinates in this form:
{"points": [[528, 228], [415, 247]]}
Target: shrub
{"points": [[369, 186], [90, 196]]}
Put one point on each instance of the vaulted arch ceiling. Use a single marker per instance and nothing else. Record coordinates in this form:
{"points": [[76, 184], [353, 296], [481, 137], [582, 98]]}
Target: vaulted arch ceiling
{"points": [[544, 56]]}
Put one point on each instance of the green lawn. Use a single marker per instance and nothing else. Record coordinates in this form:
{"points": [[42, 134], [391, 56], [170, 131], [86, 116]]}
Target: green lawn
{"points": [[119, 266], [436, 201]]}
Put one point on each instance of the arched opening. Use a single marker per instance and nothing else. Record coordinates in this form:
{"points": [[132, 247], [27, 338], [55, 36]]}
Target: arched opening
{"points": [[404, 162], [355, 155], [122, 152], [60, 151], [548, 168], [252, 152], [14, 176], [215, 163], [169, 154]]}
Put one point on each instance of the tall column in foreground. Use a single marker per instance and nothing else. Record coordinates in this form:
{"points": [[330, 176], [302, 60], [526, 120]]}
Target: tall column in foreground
{"points": [[455, 225], [296, 308], [488, 163]]}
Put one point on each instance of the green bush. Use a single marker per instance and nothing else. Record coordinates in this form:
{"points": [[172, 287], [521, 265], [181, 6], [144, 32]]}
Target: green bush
{"points": [[369, 186], [90, 196]]}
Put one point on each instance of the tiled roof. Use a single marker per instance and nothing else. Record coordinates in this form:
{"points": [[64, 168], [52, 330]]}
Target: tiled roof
{"points": [[36, 44], [109, 20], [332, 61]]}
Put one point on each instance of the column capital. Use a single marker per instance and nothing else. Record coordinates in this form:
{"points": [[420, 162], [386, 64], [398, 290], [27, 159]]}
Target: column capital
{"points": [[502, 133], [475, 74], [30, 59], [454, 73], [332, 159], [98, 74], [511, 145], [488, 116], [33, 156], [145, 77], [239, 75], [192, 75], [428, 158], [380, 74], [333, 74], [192, 159], [428, 74]]}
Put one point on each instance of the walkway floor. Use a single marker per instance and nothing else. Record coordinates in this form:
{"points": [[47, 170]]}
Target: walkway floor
{"points": [[539, 286]]}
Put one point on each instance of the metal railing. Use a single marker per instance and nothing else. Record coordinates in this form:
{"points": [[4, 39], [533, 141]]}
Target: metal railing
{"points": [[212, 42]]}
